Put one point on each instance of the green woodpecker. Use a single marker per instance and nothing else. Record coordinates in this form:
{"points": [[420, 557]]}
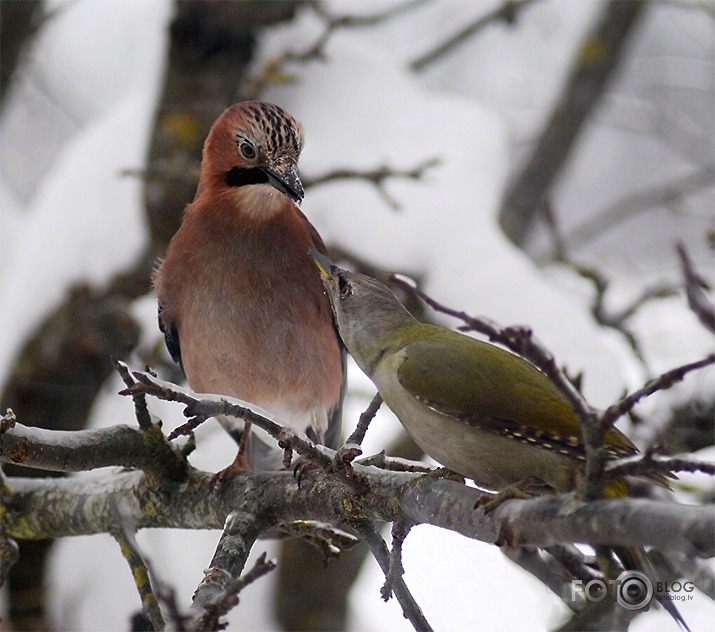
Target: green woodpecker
{"points": [[477, 409]]}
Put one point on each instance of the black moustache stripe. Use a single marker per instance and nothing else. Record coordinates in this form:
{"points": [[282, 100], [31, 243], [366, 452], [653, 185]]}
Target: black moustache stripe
{"points": [[241, 176]]}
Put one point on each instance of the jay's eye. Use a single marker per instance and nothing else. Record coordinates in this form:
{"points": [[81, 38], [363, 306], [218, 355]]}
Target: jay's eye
{"points": [[345, 288], [247, 150]]}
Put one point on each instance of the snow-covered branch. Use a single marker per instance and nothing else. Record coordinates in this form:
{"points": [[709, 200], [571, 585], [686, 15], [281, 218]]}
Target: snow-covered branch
{"points": [[42, 508]]}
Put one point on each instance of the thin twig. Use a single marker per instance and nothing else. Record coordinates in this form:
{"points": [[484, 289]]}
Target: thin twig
{"points": [[518, 339], [229, 598], [507, 13], [358, 435], [326, 538], [648, 464], [400, 529], [410, 609], [664, 193], [395, 464], [694, 284], [336, 22], [124, 535], [616, 320], [665, 381], [204, 408], [353, 445], [274, 69], [377, 177], [140, 407]]}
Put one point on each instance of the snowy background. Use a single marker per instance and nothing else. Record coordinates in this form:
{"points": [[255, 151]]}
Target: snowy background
{"points": [[82, 114]]}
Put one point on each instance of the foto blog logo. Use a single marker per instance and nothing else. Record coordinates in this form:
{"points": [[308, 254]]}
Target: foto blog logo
{"points": [[633, 590]]}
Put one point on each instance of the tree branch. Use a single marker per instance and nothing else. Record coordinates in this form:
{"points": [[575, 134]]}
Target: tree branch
{"points": [[663, 382], [507, 12], [662, 194], [124, 535], [48, 508], [594, 65], [410, 609], [84, 450], [217, 592], [616, 320], [203, 408], [264, 503], [274, 69], [694, 284], [626, 522], [377, 177]]}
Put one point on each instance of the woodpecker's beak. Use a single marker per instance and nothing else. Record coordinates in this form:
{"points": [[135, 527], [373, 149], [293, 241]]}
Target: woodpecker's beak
{"points": [[327, 268]]}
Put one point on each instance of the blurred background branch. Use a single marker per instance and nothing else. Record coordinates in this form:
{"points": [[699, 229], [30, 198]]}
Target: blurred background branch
{"points": [[596, 62]]}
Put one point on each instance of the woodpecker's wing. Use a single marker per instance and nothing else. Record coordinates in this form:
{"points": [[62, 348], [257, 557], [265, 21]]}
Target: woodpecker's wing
{"points": [[487, 386]]}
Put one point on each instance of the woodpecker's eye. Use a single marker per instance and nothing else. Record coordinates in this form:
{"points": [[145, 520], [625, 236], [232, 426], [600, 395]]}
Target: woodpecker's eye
{"points": [[345, 288], [247, 150]]}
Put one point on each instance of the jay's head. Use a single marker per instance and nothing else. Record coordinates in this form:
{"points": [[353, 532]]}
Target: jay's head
{"points": [[254, 143]]}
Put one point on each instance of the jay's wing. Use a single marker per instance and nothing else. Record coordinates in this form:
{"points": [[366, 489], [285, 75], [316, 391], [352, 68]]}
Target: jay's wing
{"points": [[333, 436], [171, 337]]}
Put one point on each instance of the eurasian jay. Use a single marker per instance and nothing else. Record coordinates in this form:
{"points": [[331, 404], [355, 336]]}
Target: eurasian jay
{"points": [[240, 304]]}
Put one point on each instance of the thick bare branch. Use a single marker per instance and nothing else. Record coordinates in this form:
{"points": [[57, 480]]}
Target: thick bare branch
{"points": [[629, 522], [84, 450], [43, 508], [228, 599], [264, 502], [53, 508], [594, 65], [218, 590]]}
